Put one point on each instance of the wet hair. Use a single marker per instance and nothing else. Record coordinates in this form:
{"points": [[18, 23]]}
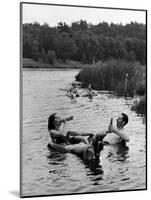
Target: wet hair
{"points": [[125, 118], [50, 122]]}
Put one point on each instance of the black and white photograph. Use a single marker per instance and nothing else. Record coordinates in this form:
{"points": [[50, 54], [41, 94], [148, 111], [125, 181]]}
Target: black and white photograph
{"points": [[83, 99]]}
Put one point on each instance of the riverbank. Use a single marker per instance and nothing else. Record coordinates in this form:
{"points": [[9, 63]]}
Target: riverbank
{"points": [[115, 75], [69, 64]]}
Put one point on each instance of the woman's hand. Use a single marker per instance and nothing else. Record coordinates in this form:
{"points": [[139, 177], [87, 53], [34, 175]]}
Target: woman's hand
{"points": [[67, 119], [64, 121]]}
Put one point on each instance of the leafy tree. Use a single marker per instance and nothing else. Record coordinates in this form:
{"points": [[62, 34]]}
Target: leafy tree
{"points": [[86, 42], [66, 48], [63, 27], [51, 56]]}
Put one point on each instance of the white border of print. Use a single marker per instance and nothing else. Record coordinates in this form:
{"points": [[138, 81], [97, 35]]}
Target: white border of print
{"points": [[9, 101]]}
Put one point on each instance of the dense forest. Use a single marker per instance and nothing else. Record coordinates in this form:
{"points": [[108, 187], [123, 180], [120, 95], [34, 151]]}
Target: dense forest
{"points": [[85, 42]]}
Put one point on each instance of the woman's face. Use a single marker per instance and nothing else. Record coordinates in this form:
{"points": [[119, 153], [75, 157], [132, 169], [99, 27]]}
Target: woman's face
{"points": [[57, 121]]}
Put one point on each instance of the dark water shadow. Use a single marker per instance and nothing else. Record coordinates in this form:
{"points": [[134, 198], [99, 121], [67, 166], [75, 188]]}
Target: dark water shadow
{"points": [[55, 157], [94, 172], [94, 167], [121, 152], [15, 193]]}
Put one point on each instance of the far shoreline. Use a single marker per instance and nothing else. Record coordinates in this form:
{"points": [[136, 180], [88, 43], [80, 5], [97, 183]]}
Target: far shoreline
{"points": [[28, 63]]}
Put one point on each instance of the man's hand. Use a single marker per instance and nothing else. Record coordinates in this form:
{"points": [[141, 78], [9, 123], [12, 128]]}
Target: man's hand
{"points": [[110, 127]]}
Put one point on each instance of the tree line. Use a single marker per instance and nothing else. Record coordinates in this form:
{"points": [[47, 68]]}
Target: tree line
{"points": [[85, 42]]}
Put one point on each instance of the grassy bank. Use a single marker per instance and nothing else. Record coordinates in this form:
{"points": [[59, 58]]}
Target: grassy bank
{"points": [[110, 75], [30, 63]]}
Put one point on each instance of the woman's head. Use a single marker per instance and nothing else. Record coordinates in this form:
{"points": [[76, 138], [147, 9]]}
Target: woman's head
{"points": [[54, 121]]}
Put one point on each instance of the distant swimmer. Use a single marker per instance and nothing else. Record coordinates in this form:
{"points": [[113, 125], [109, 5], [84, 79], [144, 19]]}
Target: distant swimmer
{"points": [[90, 92], [73, 92]]}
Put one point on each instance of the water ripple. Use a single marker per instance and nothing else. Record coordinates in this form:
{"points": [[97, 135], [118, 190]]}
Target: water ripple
{"points": [[47, 172]]}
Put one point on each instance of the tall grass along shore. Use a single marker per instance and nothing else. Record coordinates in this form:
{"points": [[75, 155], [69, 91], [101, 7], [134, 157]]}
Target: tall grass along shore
{"points": [[111, 75]]}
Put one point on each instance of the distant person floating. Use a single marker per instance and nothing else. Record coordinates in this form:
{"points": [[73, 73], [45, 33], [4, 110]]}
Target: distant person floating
{"points": [[65, 141], [73, 92], [90, 92]]}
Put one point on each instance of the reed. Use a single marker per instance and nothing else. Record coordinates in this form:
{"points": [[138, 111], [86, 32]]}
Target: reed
{"points": [[110, 75]]}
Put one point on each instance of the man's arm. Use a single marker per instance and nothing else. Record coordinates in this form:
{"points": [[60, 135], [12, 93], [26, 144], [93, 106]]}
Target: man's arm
{"points": [[86, 134], [120, 134], [101, 135]]}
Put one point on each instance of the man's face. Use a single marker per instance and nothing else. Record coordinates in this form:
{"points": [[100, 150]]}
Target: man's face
{"points": [[120, 123]]}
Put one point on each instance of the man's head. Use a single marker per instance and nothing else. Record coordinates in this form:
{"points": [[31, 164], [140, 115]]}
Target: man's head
{"points": [[89, 87], [122, 120]]}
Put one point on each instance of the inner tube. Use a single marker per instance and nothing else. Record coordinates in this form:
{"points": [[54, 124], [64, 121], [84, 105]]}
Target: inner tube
{"points": [[57, 147]]}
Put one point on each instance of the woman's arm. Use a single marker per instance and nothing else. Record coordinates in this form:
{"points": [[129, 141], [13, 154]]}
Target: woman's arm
{"points": [[64, 130], [57, 134]]}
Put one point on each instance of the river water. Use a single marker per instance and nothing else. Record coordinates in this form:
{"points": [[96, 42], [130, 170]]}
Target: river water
{"points": [[45, 172]]}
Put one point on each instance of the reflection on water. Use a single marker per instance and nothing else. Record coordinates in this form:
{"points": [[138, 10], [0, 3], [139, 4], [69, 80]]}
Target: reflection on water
{"points": [[47, 172], [122, 153]]}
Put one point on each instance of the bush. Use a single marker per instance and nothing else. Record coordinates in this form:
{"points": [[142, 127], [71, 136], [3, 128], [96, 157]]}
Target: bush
{"points": [[140, 107], [140, 89]]}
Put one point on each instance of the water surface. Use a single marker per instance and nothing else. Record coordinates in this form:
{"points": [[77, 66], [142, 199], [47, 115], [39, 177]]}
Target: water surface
{"points": [[46, 172]]}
